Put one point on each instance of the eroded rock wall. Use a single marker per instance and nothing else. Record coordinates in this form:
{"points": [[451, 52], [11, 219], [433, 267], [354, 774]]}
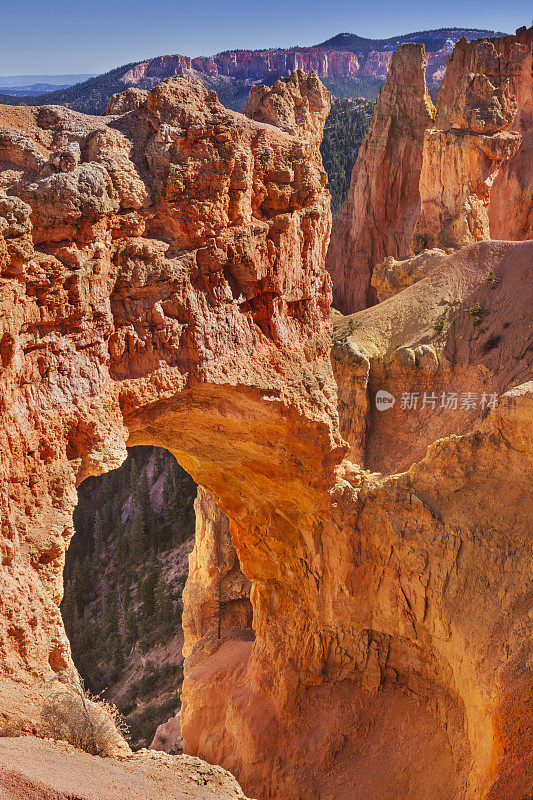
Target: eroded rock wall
{"points": [[379, 215], [477, 151], [217, 595], [511, 195], [162, 282], [411, 585]]}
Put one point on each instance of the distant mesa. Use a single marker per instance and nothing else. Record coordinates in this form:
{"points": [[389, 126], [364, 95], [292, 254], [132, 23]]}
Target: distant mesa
{"points": [[348, 65]]}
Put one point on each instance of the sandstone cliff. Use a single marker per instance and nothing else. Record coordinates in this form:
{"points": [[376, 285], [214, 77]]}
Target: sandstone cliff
{"points": [[132, 277], [268, 64], [163, 283], [217, 595], [383, 204], [511, 195]]}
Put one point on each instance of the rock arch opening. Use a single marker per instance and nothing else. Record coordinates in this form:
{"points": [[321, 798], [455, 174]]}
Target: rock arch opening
{"points": [[136, 530]]}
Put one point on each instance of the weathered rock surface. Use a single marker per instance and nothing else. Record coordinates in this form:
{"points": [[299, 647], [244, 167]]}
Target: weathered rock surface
{"points": [[402, 572], [179, 299], [217, 595], [393, 275], [150, 281], [379, 215], [483, 120], [294, 104], [453, 338]]}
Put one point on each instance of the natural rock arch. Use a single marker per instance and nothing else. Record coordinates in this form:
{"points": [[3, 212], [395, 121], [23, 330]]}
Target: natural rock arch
{"points": [[174, 294], [211, 340]]}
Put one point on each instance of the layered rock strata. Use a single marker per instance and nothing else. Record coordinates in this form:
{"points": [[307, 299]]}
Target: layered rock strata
{"points": [[163, 282], [268, 64], [379, 215]]}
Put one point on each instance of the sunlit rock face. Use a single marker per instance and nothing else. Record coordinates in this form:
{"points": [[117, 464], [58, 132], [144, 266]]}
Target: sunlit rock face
{"points": [[511, 195], [378, 217], [163, 283], [217, 595], [475, 183], [427, 178]]}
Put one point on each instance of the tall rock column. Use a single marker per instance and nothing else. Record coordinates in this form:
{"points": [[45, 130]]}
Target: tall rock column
{"points": [[511, 196], [383, 203], [474, 135]]}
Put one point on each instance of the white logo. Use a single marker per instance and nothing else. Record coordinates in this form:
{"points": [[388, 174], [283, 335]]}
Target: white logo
{"points": [[384, 400]]}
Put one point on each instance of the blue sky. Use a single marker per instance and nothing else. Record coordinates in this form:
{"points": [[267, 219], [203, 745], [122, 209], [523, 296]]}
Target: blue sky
{"points": [[62, 36]]}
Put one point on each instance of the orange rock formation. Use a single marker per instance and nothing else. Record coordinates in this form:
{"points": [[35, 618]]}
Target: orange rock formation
{"points": [[483, 112], [383, 204], [217, 595], [511, 195], [163, 282], [470, 181], [119, 295]]}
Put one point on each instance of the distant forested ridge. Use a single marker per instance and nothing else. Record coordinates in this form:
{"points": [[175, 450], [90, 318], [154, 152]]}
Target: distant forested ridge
{"points": [[231, 74]]}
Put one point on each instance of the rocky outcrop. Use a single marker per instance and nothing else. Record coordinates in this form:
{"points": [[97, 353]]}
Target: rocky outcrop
{"points": [[383, 204], [393, 275], [483, 113], [175, 295], [129, 100], [444, 349], [147, 280], [256, 65], [295, 104]]}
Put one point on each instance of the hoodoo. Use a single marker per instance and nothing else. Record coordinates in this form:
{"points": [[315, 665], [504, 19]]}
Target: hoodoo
{"points": [[473, 151], [383, 203]]}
